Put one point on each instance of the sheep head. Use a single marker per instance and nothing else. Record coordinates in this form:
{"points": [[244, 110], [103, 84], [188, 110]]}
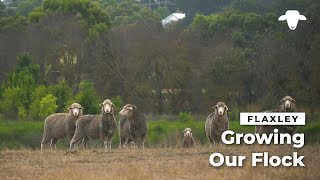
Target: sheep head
{"points": [[287, 102], [75, 109], [107, 106], [221, 108], [292, 17], [128, 110], [187, 133]]}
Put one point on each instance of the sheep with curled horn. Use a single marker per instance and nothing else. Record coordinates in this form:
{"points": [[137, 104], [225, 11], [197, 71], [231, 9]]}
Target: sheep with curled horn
{"points": [[216, 123], [102, 126], [61, 125]]}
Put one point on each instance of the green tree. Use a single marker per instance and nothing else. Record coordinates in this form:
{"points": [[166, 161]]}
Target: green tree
{"points": [[48, 106], [89, 13], [36, 97], [63, 93], [129, 12], [118, 103], [22, 113], [87, 97], [12, 23], [11, 100], [26, 6], [20, 85], [162, 12]]}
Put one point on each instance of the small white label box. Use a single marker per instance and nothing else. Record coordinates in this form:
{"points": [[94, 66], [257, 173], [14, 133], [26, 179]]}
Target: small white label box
{"points": [[272, 118]]}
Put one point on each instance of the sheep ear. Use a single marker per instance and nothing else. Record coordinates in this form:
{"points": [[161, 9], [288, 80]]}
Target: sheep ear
{"points": [[134, 107], [293, 100], [215, 107], [101, 104], [282, 100], [69, 108], [282, 18], [302, 17], [227, 108]]}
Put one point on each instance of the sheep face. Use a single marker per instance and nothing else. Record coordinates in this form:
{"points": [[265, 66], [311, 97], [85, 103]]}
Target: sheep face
{"points": [[221, 108], [128, 110], [75, 109], [187, 133], [107, 106], [292, 17], [287, 101]]}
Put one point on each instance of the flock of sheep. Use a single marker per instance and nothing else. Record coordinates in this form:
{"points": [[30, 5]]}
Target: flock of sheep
{"points": [[133, 125]]}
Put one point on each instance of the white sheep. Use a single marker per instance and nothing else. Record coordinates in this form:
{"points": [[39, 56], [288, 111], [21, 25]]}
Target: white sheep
{"points": [[292, 17], [102, 126], [216, 123], [61, 125]]}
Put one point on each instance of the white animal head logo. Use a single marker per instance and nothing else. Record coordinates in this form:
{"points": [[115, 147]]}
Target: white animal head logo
{"points": [[292, 17]]}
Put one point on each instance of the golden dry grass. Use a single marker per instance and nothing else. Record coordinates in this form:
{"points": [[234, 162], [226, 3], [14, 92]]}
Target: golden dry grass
{"points": [[154, 163]]}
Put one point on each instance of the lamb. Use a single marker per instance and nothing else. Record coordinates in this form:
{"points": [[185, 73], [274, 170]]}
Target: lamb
{"points": [[188, 140], [135, 128], [287, 105], [216, 123], [61, 125], [101, 126]]}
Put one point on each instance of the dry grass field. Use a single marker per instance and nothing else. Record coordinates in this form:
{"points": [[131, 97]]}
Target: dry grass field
{"points": [[153, 163]]}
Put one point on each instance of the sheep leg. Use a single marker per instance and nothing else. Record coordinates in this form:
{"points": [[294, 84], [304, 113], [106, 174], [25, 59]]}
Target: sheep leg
{"points": [[139, 142], [106, 144], [123, 142], [73, 141], [143, 144], [44, 141], [85, 143], [110, 142], [211, 141], [215, 144], [53, 143]]}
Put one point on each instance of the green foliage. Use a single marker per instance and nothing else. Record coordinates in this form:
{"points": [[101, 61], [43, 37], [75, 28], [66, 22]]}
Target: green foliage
{"points": [[88, 98], [36, 15], [118, 103], [26, 6], [26, 76], [185, 117], [92, 13], [22, 113], [63, 93], [96, 30], [36, 97], [20, 85], [238, 38], [245, 22], [235, 63], [48, 106], [162, 12], [129, 12], [12, 23], [11, 99]]}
